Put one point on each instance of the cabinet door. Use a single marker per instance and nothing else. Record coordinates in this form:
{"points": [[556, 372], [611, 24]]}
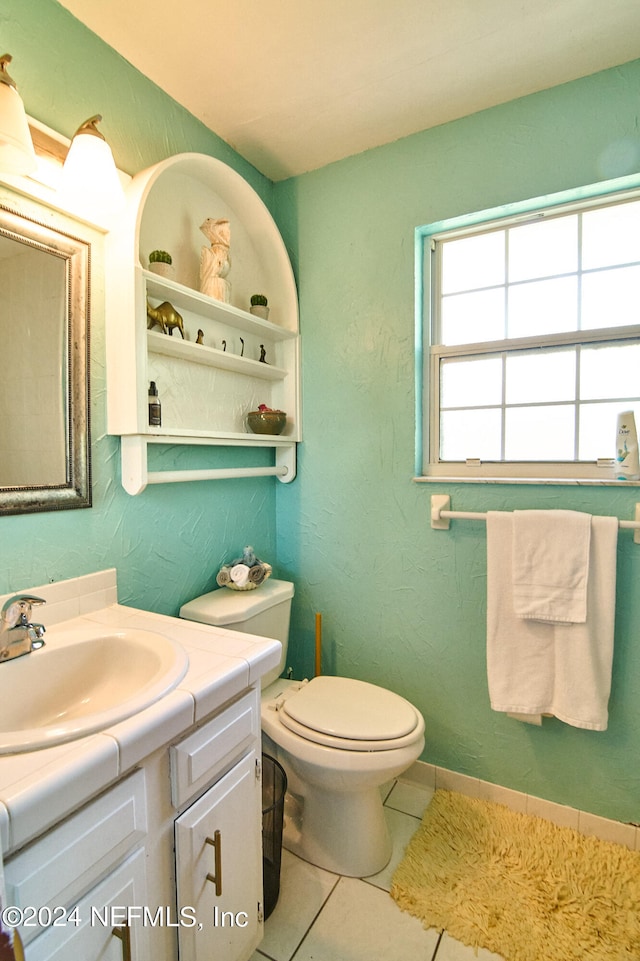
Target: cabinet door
{"points": [[69, 859], [219, 867], [89, 930]]}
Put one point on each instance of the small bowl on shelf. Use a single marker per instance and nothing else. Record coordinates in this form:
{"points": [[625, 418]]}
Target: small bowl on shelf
{"points": [[266, 421]]}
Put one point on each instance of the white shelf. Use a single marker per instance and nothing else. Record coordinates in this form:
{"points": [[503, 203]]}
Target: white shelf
{"points": [[187, 299], [210, 356], [205, 390], [169, 435]]}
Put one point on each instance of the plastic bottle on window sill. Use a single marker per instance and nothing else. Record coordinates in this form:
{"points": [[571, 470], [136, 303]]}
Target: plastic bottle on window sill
{"points": [[628, 467], [155, 410]]}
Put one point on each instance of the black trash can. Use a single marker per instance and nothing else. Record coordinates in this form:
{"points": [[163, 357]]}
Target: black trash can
{"points": [[274, 786]]}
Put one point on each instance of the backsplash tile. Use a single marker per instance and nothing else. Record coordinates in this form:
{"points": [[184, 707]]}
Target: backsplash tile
{"points": [[73, 597]]}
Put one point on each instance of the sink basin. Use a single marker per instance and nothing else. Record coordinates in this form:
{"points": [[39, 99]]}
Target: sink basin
{"points": [[83, 680]]}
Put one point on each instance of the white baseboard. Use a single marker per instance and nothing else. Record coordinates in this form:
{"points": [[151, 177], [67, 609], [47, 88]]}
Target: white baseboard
{"points": [[433, 777]]}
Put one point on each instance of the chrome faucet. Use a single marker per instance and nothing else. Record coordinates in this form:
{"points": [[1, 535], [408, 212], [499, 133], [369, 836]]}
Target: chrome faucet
{"points": [[18, 635]]}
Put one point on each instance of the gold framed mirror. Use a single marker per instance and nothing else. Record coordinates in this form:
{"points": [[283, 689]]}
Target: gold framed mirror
{"points": [[44, 375]]}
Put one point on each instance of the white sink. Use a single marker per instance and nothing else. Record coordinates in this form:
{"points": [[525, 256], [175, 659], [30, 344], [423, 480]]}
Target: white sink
{"points": [[83, 680]]}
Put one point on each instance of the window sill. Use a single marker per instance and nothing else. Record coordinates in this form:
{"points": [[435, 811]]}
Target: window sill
{"points": [[575, 481]]}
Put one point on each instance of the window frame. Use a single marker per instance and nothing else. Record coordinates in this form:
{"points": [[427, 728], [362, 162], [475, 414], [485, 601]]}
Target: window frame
{"points": [[427, 354]]}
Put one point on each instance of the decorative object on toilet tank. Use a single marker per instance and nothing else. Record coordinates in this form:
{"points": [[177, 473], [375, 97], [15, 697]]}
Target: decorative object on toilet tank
{"points": [[161, 263], [266, 420], [215, 261], [244, 573], [259, 306]]}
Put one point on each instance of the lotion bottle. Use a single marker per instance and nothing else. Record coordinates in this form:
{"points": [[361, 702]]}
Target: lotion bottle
{"points": [[155, 410], [627, 464]]}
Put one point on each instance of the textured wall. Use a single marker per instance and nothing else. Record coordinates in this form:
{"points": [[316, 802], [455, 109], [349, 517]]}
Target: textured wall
{"points": [[168, 542], [403, 605]]}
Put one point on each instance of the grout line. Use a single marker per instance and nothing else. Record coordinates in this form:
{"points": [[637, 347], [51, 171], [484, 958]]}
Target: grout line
{"points": [[388, 794], [372, 884], [315, 918], [435, 950], [418, 817]]}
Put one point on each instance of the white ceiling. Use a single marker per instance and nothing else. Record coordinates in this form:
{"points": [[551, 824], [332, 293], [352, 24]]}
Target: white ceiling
{"points": [[295, 84]]}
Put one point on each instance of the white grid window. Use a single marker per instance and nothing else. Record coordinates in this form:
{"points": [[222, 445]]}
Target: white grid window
{"points": [[534, 342]]}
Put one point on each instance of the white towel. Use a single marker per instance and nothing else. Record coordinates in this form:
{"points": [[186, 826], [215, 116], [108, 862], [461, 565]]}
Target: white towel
{"points": [[551, 565], [239, 574], [558, 669]]}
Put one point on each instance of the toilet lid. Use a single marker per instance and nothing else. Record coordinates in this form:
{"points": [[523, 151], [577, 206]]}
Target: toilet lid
{"points": [[333, 708]]}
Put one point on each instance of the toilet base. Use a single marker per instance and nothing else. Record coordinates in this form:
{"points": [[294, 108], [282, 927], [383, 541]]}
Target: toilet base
{"points": [[334, 816], [347, 835]]}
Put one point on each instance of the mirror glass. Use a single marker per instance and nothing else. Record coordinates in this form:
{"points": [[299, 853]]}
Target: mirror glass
{"points": [[44, 325]]}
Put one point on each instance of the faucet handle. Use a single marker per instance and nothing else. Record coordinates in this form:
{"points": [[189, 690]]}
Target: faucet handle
{"points": [[31, 600], [18, 608]]}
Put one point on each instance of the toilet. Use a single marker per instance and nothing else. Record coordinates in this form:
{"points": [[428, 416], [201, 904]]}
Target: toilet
{"points": [[338, 739]]}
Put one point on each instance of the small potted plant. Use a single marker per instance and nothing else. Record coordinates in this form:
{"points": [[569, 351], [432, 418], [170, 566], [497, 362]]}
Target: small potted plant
{"points": [[259, 306], [160, 262]]}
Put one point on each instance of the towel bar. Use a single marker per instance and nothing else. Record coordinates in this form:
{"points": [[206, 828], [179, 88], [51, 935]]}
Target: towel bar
{"points": [[441, 515], [136, 475]]}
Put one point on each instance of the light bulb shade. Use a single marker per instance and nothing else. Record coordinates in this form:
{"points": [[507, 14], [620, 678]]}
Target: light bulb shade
{"points": [[17, 155], [90, 177]]}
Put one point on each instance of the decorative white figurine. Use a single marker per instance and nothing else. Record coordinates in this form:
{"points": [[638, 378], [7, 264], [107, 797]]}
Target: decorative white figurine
{"points": [[215, 261]]}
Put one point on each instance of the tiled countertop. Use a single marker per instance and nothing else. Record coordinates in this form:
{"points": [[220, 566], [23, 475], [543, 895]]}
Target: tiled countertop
{"points": [[41, 787]]}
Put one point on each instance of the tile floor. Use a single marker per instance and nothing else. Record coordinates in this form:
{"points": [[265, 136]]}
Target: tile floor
{"points": [[323, 917]]}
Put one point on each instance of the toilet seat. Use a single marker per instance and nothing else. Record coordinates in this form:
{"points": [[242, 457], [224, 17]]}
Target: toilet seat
{"points": [[350, 715]]}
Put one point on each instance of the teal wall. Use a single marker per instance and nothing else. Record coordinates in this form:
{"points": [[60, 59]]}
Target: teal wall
{"points": [[168, 543], [402, 605]]}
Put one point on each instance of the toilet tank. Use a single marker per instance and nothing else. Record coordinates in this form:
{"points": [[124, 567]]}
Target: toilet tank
{"points": [[266, 611]]}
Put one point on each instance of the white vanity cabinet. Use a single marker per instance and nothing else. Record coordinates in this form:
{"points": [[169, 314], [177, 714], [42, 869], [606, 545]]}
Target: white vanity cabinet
{"points": [[218, 837], [65, 884], [205, 389], [165, 863], [104, 839], [219, 867], [102, 932]]}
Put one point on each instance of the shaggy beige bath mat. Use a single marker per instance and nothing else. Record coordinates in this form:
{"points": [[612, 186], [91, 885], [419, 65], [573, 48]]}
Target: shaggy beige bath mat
{"points": [[518, 885]]}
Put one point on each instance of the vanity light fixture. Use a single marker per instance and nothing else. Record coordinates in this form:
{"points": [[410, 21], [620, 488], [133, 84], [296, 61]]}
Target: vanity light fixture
{"points": [[17, 155], [89, 174]]}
